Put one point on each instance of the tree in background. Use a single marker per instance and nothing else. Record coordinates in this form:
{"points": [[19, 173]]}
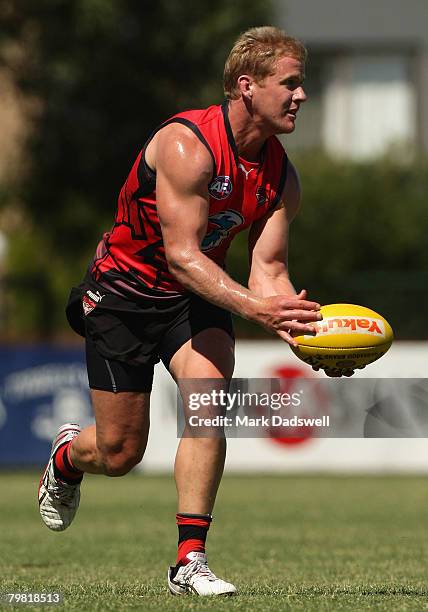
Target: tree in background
{"points": [[359, 238], [102, 74], [95, 77]]}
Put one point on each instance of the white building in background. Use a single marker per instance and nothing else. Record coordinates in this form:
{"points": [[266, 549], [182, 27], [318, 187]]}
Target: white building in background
{"points": [[367, 75]]}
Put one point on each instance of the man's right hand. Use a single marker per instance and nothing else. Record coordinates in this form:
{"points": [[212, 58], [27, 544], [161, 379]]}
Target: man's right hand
{"points": [[288, 316]]}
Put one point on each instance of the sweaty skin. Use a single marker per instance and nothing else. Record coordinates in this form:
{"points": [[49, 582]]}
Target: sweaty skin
{"points": [[183, 168]]}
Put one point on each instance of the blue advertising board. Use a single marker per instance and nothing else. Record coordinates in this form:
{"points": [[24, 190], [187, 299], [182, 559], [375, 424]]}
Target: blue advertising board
{"points": [[41, 387]]}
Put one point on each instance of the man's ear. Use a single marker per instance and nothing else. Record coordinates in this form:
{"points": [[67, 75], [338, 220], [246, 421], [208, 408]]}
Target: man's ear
{"points": [[245, 86]]}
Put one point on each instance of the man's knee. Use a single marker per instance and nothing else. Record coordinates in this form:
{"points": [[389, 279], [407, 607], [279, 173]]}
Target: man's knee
{"points": [[119, 458]]}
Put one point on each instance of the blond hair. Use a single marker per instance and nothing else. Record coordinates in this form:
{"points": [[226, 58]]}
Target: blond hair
{"points": [[255, 53]]}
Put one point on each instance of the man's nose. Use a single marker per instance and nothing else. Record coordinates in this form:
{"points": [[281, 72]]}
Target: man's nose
{"points": [[300, 94]]}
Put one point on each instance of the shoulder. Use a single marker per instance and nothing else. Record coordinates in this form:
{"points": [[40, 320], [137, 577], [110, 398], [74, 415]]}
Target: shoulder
{"points": [[289, 196], [275, 142], [276, 151], [277, 159], [276, 148], [293, 181], [291, 192], [199, 117], [178, 149]]}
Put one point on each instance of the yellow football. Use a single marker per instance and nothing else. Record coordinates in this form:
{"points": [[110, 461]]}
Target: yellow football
{"points": [[348, 337]]}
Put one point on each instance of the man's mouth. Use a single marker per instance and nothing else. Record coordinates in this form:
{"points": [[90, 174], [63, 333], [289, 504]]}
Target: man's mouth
{"points": [[292, 112]]}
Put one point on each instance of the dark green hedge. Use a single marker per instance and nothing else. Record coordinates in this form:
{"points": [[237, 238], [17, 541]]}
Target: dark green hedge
{"points": [[361, 236], [105, 73]]}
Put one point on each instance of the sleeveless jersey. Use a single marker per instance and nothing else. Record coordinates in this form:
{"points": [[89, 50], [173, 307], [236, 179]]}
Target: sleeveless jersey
{"points": [[130, 260]]}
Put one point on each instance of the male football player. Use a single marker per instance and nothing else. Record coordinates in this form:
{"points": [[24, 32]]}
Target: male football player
{"points": [[157, 288]]}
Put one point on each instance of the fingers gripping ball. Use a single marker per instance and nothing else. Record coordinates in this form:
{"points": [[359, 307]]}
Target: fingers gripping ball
{"points": [[349, 337]]}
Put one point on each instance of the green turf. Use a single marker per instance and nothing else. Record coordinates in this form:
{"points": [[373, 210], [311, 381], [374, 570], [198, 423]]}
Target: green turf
{"points": [[288, 543]]}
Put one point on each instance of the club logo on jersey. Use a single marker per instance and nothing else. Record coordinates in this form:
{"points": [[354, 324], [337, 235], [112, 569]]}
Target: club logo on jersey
{"points": [[90, 300], [223, 222], [220, 187], [261, 195]]}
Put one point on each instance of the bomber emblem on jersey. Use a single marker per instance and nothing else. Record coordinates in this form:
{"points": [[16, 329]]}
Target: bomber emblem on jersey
{"points": [[220, 187], [224, 221]]}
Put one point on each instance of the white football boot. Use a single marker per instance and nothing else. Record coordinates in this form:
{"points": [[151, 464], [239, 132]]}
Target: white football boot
{"points": [[58, 500], [196, 577]]}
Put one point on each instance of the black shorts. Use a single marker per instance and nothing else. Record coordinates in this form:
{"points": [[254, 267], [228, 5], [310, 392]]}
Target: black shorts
{"points": [[125, 339]]}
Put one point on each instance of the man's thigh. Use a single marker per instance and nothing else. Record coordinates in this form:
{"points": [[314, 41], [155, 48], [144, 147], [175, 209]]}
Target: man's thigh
{"points": [[209, 354], [203, 366], [199, 339], [121, 402]]}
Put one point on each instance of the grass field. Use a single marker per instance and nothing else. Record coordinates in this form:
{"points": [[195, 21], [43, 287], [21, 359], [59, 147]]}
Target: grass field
{"points": [[288, 543]]}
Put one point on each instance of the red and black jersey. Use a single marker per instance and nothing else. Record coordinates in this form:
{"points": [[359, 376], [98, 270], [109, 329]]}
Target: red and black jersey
{"points": [[130, 259]]}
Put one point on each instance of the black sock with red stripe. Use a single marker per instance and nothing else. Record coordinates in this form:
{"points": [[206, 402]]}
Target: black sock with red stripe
{"points": [[63, 467], [192, 534]]}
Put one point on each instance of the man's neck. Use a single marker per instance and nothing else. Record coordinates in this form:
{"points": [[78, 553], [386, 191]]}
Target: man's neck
{"points": [[249, 138]]}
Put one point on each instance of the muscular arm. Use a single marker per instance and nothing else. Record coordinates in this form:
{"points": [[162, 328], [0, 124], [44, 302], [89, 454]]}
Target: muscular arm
{"points": [[184, 169], [268, 243], [268, 247]]}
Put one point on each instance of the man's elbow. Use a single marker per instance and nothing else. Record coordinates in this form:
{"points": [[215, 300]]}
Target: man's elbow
{"points": [[179, 261]]}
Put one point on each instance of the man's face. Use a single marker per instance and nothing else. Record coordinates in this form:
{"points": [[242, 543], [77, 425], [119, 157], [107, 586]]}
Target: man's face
{"points": [[276, 100]]}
